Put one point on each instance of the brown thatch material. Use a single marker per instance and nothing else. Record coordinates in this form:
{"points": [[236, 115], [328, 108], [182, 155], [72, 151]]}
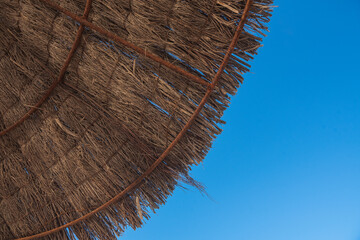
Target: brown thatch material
{"points": [[83, 134]]}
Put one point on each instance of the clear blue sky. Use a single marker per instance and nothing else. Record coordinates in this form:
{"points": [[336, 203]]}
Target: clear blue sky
{"points": [[287, 166]]}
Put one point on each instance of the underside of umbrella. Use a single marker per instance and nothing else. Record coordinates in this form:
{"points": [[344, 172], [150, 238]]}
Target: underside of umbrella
{"points": [[106, 105]]}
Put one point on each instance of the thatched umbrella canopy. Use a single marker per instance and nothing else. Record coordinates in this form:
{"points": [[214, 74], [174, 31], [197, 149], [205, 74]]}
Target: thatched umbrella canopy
{"points": [[106, 105]]}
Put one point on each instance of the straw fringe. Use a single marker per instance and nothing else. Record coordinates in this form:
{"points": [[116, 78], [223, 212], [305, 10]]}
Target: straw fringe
{"points": [[116, 111]]}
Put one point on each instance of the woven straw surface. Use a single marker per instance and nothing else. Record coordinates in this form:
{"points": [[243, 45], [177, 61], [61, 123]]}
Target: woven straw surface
{"points": [[114, 110]]}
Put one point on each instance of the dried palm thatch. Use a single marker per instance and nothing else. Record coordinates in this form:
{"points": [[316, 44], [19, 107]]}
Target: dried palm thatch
{"points": [[97, 131]]}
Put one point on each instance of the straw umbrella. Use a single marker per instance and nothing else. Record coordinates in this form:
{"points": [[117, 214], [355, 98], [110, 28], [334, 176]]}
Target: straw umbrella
{"points": [[105, 106]]}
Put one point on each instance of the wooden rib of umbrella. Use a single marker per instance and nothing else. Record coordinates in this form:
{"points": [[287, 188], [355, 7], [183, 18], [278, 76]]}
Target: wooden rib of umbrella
{"points": [[132, 186]]}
